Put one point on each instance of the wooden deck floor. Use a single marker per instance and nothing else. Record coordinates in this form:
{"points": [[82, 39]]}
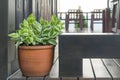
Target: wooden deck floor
{"points": [[93, 69]]}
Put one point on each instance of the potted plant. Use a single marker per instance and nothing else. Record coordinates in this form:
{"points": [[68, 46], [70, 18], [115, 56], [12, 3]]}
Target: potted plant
{"points": [[36, 42]]}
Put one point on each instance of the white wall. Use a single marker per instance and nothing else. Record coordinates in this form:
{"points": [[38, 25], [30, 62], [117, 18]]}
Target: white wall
{"points": [[86, 5]]}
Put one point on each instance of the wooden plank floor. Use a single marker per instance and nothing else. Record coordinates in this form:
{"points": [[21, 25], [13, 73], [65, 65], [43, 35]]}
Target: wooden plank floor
{"points": [[93, 69]]}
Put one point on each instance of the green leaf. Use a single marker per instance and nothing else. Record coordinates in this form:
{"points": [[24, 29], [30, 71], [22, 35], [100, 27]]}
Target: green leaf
{"points": [[52, 41], [14, 35], [46, 30], [31, 18]]}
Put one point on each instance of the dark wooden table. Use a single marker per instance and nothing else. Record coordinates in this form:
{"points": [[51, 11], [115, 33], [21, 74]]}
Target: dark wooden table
{"points": [[73, 47]]}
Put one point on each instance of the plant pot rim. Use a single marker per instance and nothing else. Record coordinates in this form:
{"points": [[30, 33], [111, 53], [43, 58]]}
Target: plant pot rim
{"points": [[36, 47]]}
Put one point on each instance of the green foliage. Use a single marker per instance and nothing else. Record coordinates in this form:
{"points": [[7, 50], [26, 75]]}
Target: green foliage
{"points": [[85, 24], [32, 32]]}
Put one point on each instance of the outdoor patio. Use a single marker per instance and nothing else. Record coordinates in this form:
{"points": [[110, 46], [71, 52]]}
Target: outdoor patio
{"points": [[69, 62], [93, 69]]}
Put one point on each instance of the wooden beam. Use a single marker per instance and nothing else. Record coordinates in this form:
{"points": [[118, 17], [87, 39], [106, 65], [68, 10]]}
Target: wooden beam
{"points": [[3, 38], [118, 15], [55, 7]]}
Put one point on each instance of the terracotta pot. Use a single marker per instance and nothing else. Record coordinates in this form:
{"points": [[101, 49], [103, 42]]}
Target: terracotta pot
{"points": [[35, 60]]}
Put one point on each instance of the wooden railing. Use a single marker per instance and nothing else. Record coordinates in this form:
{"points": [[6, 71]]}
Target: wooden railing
{"points": [[97, 15], [62, 15]]}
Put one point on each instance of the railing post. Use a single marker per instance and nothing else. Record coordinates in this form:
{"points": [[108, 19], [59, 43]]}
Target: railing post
{"points": [[92, 18], [87, 17], [103, 21], [67, 22], [107, 20], [80, 22], [118, 16], [113, 16], [60, 15]]}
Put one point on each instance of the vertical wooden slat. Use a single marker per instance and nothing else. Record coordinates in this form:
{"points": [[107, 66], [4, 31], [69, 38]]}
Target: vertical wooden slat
{"points": [[51, 4], [23, 9], [19, 13], [55, 7], [38, 12], [48, 13], [45, 9], [41, 7], [27, 5], [34, 7], [11, 16]]}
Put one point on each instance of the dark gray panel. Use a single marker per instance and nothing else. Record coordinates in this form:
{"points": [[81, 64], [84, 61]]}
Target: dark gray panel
{"points": [[69, 78], [23, 9], [11, 45], [11, 16], [90, 46], [70, 67], [3, 38], [72, 48]]}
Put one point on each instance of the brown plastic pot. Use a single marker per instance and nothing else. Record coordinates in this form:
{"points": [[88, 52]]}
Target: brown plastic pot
{"points": [[35, 60]]}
